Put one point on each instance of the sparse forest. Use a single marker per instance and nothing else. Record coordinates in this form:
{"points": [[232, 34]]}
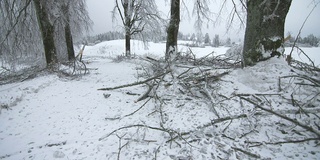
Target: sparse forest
{"points": [[146, 90], [49, 27]]}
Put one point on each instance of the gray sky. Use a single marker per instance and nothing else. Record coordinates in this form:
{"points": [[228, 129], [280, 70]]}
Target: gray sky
{"points": [[100, 13]]}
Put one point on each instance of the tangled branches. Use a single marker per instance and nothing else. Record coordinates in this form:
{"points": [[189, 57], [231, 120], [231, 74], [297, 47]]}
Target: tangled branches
{"points": [[73, 68], [200, 106]]}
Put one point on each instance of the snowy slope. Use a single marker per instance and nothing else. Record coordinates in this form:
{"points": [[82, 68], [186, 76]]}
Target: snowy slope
{"points": [[54, 116]]}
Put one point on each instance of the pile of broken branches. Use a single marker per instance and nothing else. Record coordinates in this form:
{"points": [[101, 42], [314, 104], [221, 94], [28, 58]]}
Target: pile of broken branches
{"points": [[193, 81]]}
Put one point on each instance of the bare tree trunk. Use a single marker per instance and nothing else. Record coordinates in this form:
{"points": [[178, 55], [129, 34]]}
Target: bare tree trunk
{"points": [[173, 29], [68, 34], [47, 32], [127, 25], [265, 30], [127, 43]]}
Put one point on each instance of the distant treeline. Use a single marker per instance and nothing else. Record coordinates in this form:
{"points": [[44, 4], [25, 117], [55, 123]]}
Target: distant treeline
{"points": [[114, 35], [308, 41], [104, 37], [198, 39]]}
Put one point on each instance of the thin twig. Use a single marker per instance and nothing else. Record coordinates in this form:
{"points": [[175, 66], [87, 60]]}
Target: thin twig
{"points": [[146, 94], [136, 83], [156, 151], [305, 55], [117, 118], [121, 146], [137, 109], [312, 80], [132, 126]]}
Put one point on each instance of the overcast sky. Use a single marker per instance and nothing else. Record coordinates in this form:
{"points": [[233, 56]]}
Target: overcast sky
{"points": [[100, 13]]}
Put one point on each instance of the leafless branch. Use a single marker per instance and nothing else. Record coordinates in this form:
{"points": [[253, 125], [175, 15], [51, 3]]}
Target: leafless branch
{"points": [[130, 113], [133, 126], [136, 83], [16, 20], [120, 145]]}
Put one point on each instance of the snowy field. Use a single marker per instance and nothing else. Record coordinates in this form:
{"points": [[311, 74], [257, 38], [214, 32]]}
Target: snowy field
{"points": [[53, 116]]}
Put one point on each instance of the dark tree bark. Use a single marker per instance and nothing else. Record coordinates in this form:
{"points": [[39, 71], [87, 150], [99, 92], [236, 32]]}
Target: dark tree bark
{"points": [[264, 33], [173, 29], [68, 34], [47, 32], [127, 43], [128, 26]]}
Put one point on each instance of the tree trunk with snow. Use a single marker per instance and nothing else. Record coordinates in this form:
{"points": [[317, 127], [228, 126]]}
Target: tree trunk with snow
{"points": [[264, 33], [47, 32], [173, 29], [127, 43], [68, 34]]}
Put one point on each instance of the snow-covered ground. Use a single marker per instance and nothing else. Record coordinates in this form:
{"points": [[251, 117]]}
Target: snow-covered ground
{"points": [[53, 116], [116, 47]]}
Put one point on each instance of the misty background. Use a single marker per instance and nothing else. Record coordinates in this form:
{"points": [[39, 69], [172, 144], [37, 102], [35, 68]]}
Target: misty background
{"points": [[100, 12]]}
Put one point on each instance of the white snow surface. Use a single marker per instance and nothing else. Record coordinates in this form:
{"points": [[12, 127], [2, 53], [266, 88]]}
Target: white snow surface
{"points": [[56, 117]]}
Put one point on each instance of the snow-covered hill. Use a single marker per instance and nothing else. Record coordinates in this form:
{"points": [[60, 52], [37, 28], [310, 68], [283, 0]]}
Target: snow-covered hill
{"points": [[54, 116]]}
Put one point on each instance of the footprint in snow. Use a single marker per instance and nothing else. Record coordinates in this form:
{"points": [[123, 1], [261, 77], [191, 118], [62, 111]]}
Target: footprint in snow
{"points": [[58, 154]]}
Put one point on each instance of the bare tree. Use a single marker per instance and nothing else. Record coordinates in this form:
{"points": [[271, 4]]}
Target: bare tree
{"points": [[202, 13], [71, 21], [19, 31], [47, 26], [67, 30], [47, 30], [139, 17], [265, 29], [173, 29]]}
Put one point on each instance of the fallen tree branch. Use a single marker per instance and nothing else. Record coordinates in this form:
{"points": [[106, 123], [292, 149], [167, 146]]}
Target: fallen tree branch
{"points": [[283, 117], [155, 152], [120, 145], [304, 66], [246, 152], [219, 120], [208, 94], [138, 108], [146, 94], [132, 126], [234, 117], [305, 55], [116, 118], [258, 94], [169, 131], [312, 80], [213, 77], [136, 83], [280, 142]]}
